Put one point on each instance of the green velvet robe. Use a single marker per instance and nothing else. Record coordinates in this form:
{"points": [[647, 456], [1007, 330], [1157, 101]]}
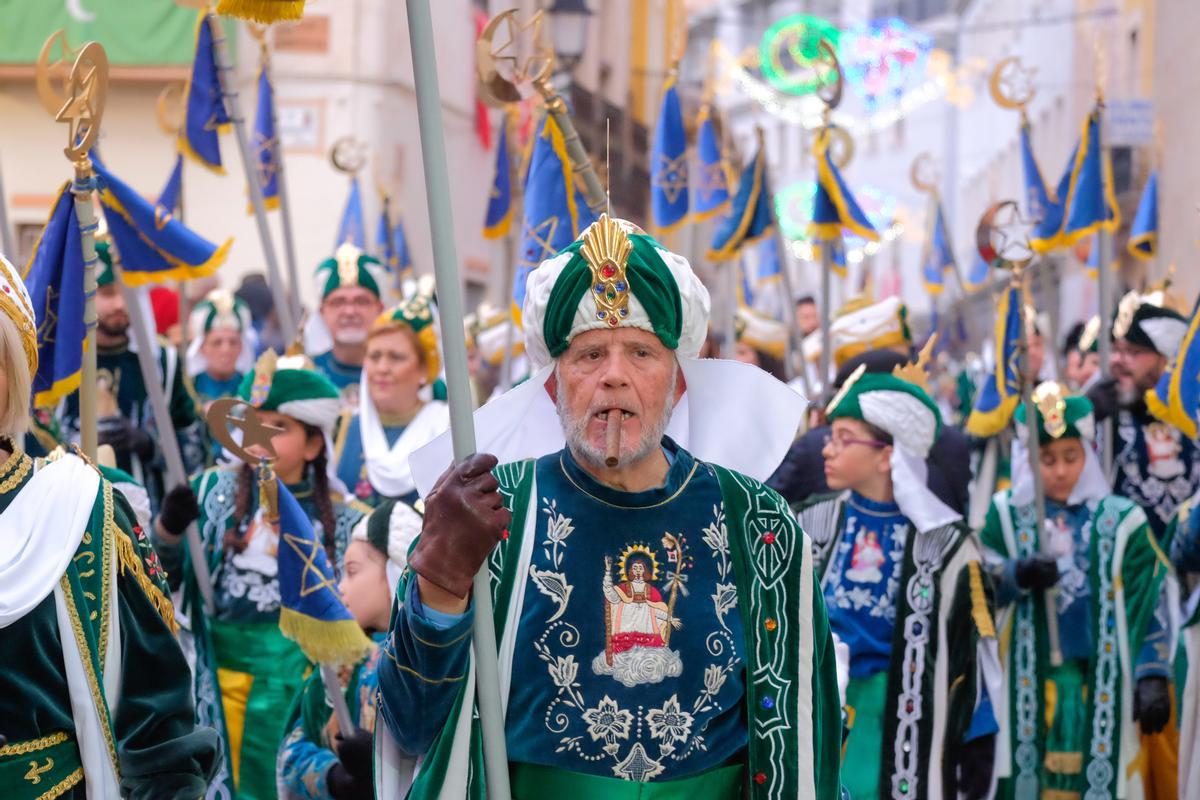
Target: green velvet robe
{"points": [[158, 750]]}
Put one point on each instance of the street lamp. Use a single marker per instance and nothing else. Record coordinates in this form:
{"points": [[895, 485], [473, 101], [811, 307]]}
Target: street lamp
{"points": [[569, 21]]}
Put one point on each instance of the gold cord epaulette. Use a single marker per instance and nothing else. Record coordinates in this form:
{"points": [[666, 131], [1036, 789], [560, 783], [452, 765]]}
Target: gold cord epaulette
{"points": [[979, 607], [130, 560]]}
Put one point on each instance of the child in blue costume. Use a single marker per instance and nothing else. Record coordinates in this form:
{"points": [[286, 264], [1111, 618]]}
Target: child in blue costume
{"points": [[318, 761]]}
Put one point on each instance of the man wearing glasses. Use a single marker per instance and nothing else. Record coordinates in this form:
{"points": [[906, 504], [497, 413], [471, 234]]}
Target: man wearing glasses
{"points": [[350, 287]]}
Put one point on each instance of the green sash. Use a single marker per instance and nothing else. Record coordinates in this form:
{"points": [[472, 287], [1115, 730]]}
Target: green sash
{"points": [[42, 768], [533, 782]]}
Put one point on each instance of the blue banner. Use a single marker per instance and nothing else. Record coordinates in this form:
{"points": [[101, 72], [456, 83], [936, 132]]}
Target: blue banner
{"points": [[498, 220], [205, 117], [264, 142], [149, 253], [938, 258], [353, 227], [1001, 391], [54, 279], [835, 207], [170, 196], [554, 214], [711, 194], [1143, 236], [1176, 398], [669, 165], [749, 218]]}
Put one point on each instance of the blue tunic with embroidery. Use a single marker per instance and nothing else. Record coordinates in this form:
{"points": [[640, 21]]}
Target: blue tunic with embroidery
{"points": [[861, 584], [344, 376], [1071, 526], [628, 660]]}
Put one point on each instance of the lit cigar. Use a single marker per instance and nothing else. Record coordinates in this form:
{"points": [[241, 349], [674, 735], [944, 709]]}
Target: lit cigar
{"points": [[613, 447]]}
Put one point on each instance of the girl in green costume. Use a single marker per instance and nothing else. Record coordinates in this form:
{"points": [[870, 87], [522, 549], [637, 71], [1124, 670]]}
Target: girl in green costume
{"points": [[1067, 718], [241, 656]]}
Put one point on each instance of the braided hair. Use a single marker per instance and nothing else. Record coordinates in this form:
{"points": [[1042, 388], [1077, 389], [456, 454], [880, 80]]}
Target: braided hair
{"points": [[234, 538]]}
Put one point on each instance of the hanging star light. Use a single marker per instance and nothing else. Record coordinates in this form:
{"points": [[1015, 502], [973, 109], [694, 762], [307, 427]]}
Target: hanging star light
{"points": [[788, 53]]}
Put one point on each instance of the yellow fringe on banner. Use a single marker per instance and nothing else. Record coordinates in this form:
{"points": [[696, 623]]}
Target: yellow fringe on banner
{"points": [[263, 11], [989, 423], [341, 642]]}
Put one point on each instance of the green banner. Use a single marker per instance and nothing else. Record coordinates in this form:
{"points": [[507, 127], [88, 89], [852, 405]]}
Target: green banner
{"points": [[133, 32]]}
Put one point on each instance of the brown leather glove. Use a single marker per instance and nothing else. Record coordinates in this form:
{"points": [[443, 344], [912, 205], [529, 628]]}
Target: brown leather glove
{"points": [[464, 519]]}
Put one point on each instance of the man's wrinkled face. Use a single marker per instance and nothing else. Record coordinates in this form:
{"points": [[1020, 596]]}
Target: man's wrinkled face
{"points": [[111, 315], [1136, 369], [627, 370], [348, 313]]}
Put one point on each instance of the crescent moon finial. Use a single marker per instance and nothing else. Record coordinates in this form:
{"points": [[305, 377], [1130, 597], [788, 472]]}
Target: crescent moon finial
{"points": [[1011, 85], [923, 174], [50, 76], [829, 92], [169, 108], [348, 155]]}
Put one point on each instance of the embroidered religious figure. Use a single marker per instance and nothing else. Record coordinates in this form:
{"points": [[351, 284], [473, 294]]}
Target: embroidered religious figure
{"points": [[637, 622]]}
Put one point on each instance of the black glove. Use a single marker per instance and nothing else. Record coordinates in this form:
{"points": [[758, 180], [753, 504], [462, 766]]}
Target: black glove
{"points": [[464, 519], [975, 762], [1103, 395], [1037, 572], [356, 752], [344, 786], [178, 510], [125, 438], [1152, 704]]}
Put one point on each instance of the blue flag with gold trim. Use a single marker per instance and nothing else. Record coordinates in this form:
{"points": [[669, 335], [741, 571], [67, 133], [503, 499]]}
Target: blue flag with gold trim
{"points": [[1143, 236], [769, 262], [385, 244], [749, 218], [711, 195], [1047, 234], [498, 220], [1038, 202], [554, 214], [1088, 201], [171, 194], [1001, 390], [938, 258], [54, 279], [669, 165], [400, 247], [205, 117], [1093, 260], [977, 276], [150, 253], [264, 142], [835, 207], [353, 227], [1176, 398], [311, 613]]}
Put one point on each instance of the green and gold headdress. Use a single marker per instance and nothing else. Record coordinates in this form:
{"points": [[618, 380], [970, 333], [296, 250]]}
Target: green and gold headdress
{"points": [[350, 266], [1059, 414], [416, 314]]}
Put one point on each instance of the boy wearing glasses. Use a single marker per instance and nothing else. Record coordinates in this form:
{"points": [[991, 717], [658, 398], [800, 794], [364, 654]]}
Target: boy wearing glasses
{"points": [[902, 580]]}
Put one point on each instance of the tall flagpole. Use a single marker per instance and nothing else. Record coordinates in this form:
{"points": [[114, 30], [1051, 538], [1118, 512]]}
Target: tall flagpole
{"points": [[168, 442], [454, 347], [82, 110], [283, 303], [1104, 285], [285, 209]]}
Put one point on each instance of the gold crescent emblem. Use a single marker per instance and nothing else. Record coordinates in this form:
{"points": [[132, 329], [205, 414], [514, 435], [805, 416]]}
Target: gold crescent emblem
{"points": [[841, 145], [348, 155], [829, 75], [1011, 85], [221, 415], [170, 107], [520, 60], [52, 72], [923, 174], [87, 90]]}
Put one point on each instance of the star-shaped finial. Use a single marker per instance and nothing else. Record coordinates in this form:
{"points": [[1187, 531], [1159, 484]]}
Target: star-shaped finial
{"points": [[78, 110], [523, 68], [254, 431]]}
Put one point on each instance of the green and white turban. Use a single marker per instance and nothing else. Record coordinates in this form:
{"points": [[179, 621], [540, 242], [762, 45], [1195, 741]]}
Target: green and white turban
{"points": [[614, 276], [764, 334], [291, 386], [220, 309], [104, 269], [1059, 416], [898, 404], [350, 266]]}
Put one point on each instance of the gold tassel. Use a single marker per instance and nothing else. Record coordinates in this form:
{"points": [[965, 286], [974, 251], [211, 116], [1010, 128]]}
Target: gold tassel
{"points": [[341, 642], [262, 11], [130, 560]]}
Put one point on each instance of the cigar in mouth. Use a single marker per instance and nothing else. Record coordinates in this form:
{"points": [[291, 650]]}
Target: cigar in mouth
{"points": [[612, 449]]}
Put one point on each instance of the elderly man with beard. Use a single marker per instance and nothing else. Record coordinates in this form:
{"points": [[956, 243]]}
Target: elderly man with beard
{"points": [[126, 421], [660, 631], [350, 285]]}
